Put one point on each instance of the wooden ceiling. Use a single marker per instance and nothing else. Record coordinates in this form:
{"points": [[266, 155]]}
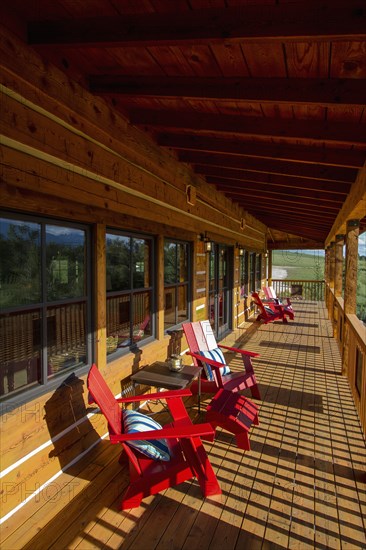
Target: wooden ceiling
{"points": [[265, 99]]}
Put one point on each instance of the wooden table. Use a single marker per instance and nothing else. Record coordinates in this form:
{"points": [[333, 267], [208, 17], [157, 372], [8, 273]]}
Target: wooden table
{"points": [[159, 375]]}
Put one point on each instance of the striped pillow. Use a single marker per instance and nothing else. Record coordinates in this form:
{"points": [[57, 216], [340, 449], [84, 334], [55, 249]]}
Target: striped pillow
{"points": [[133, 422], [217, 355]]}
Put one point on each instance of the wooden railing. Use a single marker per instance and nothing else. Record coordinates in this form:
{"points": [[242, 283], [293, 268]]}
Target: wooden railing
{"points": [[350, 333], [299, 289]]}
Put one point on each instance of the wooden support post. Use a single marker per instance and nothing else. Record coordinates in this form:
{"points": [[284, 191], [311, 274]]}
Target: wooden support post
{"points": [[101, 294], [270, 260], [331, 264], [160, 282], [331, 274], [350, 286], [353, 228], [338, 276]]}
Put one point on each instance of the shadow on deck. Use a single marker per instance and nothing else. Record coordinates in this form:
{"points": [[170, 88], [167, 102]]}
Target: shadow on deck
{"points": [[301, 486]]}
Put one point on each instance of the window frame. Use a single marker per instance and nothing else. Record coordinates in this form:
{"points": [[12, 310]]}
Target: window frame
{"points": [[47, 384], [131, 292], [176, 285]]}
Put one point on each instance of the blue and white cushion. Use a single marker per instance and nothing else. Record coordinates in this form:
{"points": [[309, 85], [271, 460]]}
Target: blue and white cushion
{"points": [[216, 355], [133, 422]]}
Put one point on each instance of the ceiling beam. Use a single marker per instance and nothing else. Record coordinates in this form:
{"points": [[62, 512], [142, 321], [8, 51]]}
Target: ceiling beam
{"points": [[295, 91], [277, 167], [301, 154], [302, 21], [314, 130], [320, 198], [284, 204], [239, 178]]}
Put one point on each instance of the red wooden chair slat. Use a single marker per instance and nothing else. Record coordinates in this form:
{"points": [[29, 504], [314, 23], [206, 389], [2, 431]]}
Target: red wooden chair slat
{"points": [[271, 295], [270, 312], [148, 476], [200, 337]]}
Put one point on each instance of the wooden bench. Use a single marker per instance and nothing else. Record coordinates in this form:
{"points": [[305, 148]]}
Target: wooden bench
{"points": [[235, 413]]}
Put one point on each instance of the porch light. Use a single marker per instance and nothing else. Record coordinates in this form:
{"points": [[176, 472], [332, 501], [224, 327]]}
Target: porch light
{"points": [[207, 242], [240, 248]]}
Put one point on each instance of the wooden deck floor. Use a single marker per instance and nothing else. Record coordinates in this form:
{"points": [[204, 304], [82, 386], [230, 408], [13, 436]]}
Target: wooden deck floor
{"points": [[301, 486]]}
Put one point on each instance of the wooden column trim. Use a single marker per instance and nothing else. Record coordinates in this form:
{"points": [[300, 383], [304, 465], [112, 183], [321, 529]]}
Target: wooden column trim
{"points": [[101, 296]]}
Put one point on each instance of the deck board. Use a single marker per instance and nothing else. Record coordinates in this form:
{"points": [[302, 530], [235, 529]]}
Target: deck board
{"points": [[301, 486]]}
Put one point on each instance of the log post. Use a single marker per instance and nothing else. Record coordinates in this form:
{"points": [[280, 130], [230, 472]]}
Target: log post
{"points": [[270, 260], [331, 273], [101, 301], [350, 286], [160, 283], [338, 276]]}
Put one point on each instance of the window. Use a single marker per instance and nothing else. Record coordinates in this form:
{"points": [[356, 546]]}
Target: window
{"points": [[244, 274], [258, 270], [129, 290], [176, 277], [44, 320], [252, 283]]}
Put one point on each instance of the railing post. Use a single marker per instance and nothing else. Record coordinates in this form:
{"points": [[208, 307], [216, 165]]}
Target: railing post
{"points": [[350, 287]]}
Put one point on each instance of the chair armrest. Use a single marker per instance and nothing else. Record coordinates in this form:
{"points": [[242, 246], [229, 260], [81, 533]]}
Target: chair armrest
{"points": [[177, 432], [215, 364], [151, 396], [242, 351]]}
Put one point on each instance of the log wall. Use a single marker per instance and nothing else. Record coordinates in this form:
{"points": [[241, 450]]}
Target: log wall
{"points": [[68, 155]]}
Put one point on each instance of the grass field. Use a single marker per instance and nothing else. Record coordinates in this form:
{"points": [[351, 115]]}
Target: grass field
{"points": [[300, 265]]}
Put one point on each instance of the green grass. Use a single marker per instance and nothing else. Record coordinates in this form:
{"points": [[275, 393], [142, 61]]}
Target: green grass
{"points": [[301, 266]]}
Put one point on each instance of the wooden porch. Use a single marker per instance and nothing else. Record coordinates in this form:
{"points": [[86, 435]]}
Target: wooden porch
{"points": [[301, 486]]}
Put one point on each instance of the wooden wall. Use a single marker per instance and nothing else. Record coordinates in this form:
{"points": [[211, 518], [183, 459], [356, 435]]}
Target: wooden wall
{"points": [[69, 155]]}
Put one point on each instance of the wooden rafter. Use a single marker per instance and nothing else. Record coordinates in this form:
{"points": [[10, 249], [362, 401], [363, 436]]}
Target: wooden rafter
{"points": [[290, 153], [293, 91], [240, 178], [336, 132], [300, 21], [278, 167]]}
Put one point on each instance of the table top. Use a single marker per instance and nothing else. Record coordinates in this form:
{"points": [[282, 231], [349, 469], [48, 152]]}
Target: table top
{"points": [[158, 374]]}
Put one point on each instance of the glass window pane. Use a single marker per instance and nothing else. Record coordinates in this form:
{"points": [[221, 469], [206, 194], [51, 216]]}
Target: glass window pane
{"points": [[170, 263], [182, 263], [169, 307], [20, 266], [141, 263], [66, 337], [118, 322], [182, 303], [141, 316], [65, 263], [118, 262], [20, 352]]}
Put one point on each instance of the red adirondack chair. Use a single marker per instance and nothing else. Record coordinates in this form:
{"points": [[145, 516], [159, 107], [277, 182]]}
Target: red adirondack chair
{"points": [[186, 458], [270, 312], [206, 353], [271, 296]]}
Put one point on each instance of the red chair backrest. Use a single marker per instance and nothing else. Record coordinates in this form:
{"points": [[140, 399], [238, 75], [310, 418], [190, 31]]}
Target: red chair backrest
{"points": [[105, 400]]}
